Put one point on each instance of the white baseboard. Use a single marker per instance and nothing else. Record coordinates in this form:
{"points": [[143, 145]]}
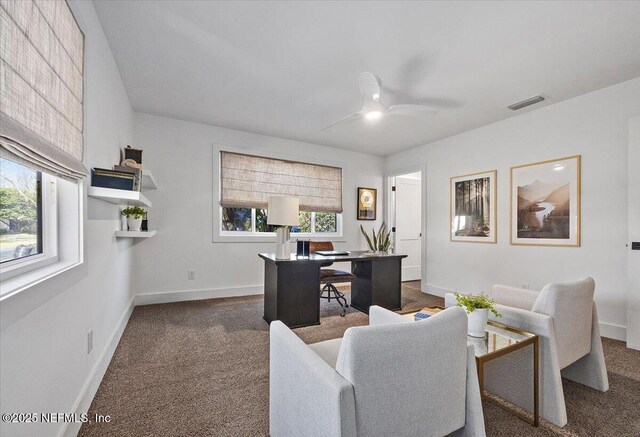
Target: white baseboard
{"points": [[611, 330], [608, 330], [83, 402], [435, 290], [184, 295]]}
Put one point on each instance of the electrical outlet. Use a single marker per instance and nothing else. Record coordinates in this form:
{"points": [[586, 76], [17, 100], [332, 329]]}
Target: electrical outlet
{"points": [[89, 341], [191, 274], [526, 286]]}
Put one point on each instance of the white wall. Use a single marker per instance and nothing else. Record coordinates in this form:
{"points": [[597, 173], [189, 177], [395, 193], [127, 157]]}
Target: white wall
{"points": [[43, 350], [181, 156], [593, 125]]}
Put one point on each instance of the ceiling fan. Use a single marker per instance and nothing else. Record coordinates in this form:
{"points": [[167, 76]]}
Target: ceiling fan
{"points": [[373, 109]]}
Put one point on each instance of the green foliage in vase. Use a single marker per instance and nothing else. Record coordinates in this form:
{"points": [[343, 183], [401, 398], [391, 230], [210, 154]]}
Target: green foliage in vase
{"points": [[134, 211], [476, 302], [380, 241]]}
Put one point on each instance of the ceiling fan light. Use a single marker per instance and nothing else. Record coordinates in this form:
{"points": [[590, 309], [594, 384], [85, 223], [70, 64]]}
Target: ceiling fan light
{"points": [[373, 115]]}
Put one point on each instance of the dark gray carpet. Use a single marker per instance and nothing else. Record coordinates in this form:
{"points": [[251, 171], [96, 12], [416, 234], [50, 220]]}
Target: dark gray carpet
{"points": [[201, 368]]}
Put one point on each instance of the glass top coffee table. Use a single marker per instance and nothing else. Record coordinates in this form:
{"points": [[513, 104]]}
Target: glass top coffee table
{"points": [[499, 340]]}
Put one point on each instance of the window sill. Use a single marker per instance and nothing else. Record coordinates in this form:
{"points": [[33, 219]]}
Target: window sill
{"points": [[253, 238], [12, 286]]}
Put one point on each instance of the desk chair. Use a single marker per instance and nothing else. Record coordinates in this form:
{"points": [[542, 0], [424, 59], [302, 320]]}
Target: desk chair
{"points": [[328, 277]]}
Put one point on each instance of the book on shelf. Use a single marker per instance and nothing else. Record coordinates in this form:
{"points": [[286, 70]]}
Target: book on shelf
{"points": [[119, 180]]}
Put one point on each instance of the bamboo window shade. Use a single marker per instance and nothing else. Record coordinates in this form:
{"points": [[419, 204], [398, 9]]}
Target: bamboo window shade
{"points": [[248, 181], [41, 86]]}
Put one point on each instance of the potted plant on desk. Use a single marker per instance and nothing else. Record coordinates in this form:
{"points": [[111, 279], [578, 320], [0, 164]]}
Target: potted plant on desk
{"points": [[380, 242], [477, 308], [134, 216]]}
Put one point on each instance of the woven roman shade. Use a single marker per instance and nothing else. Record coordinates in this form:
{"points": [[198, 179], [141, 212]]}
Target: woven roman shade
{"points": [[41, 86], [248, 181]]}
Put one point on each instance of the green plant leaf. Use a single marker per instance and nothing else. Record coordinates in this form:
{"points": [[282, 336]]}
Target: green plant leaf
{"points": [[473, 302], [371, 246]]}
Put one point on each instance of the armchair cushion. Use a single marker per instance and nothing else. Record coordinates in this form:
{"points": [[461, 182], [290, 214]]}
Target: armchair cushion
{"points": [[522, 298], [328, 350]]}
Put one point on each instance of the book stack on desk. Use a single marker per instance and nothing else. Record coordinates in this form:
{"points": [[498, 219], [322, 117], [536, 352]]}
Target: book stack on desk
{"points": [[425, 313]]}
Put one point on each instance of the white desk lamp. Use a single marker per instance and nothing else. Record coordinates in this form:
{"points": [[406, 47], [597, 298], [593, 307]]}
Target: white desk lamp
{"points": [[283, 213]]}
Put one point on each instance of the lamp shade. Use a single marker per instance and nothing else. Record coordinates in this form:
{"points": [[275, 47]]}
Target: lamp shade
{"points": [[283, 211]]}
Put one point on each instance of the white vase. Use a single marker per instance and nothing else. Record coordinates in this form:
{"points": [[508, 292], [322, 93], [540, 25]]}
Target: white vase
{"points": [[477, 322], [134, 222]]}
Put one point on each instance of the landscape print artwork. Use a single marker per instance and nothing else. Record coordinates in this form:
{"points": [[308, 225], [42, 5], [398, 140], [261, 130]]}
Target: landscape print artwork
{"points": [[545, 203], [473, 207]]}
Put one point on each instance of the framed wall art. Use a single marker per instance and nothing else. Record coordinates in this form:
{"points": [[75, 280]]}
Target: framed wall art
{"points": [[472, 201], [545, 203], [367, 203]]}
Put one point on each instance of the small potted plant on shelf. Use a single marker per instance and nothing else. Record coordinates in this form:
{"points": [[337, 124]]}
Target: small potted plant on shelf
{"points": [[477, 307], [134, 216], [380, 242]]}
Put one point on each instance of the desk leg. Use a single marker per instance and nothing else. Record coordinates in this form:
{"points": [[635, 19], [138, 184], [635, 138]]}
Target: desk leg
{"points": [[377, 283], [291, 293]]}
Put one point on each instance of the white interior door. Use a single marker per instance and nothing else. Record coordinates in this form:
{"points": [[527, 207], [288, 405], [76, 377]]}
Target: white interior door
{"points": [[633, 251], [409, 226]]}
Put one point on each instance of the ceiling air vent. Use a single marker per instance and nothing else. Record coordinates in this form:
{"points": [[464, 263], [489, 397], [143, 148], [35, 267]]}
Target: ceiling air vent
{"points": [[528, 102]]}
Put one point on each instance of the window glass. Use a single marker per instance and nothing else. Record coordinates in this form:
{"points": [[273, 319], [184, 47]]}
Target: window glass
{"points": [[236, 219], [326, 222], [20, 211], [255, 221], [261, 221], [305, 222]]}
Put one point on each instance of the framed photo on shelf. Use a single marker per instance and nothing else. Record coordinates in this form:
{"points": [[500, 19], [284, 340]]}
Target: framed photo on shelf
{"points": [[367, 203], [472, 201], [545, 203]]}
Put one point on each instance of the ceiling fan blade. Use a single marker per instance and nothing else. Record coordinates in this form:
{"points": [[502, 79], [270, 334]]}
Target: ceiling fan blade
{"points": [[369, 86], [342, 119], [414, 110]]}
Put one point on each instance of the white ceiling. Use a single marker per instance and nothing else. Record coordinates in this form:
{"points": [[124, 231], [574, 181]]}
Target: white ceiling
{"points": [[288, 69]]}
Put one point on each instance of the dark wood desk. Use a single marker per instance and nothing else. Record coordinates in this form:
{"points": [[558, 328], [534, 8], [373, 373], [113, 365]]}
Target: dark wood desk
{"points": [[292, 286]]}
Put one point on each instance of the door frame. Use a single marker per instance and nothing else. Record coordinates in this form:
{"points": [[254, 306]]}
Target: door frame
{"points": [[388, 211], [633, 279]]}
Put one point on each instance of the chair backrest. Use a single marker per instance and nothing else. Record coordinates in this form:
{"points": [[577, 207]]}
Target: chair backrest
{"points": [[570, 306], [321, 245], [408, 378]]}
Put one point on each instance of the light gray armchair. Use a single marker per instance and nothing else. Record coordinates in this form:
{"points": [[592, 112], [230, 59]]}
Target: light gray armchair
{"points": [[394, 377], [564, 317]]}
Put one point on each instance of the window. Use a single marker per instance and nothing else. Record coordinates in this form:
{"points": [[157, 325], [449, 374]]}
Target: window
{"points": [[28, 232], [253, 221], [41, 143], [247, 181]]}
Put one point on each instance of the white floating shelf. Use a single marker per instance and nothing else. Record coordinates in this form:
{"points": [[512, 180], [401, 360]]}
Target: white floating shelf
{"points": [[119, 197], [135, 234], [148, 181]]}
